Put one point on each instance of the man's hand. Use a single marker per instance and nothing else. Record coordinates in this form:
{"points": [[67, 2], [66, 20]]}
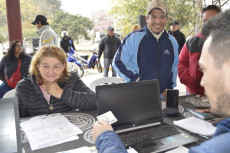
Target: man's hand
{"points": [[53, 89], [164, 93], [98, 60], [99, 127]]}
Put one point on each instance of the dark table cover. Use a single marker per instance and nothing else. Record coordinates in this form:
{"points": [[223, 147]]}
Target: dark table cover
{"points": [[85, 121]]}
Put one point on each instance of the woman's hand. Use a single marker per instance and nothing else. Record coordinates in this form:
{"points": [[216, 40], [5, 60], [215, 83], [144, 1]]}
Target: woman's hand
{"points": [[53, 89]]}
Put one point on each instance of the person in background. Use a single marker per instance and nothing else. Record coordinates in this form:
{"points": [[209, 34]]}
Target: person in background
{"points": [[135, 27], [149, 53], [47, 34], [109, 45], [66, 42], [50, 88], [188, 69], [13, 66], [215, 63], [175, 31]]}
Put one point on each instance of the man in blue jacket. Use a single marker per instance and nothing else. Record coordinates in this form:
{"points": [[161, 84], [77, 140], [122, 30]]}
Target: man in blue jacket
{"points": [[215, 63], [149, 53]]}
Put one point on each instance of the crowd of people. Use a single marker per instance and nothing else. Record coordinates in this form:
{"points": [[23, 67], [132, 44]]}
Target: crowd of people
{"points": [[44, 84]]}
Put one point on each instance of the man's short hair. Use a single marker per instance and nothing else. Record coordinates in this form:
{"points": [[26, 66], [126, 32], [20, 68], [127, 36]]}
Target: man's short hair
{"points": [[218, 28], [211, 7], [218, 22]]}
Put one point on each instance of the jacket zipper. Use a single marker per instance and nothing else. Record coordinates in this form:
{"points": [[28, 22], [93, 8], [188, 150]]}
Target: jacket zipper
{"points": [[159, 61]]}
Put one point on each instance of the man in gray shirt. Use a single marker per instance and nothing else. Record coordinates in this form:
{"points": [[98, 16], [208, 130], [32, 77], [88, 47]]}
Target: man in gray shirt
{"points": [[47, 34]]}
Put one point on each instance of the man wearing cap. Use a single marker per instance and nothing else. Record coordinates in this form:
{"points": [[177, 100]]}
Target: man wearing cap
{"points": [[47, 34], [188, 68], [108, 45], [175, 31], [149, 53]]}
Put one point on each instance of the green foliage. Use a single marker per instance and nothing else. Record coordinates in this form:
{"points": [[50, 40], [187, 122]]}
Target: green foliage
{"points": [[76, 25], [2, 38], [3, 20], [187, 12], [28, 32], [125, 12]]}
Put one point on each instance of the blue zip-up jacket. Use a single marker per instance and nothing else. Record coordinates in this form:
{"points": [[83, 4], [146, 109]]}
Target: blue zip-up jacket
{"points": [[142, 56], [108, 141], [219, 143]]}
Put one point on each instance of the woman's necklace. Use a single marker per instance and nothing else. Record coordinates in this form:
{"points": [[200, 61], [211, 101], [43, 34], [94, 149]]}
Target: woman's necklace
{"points": [[51, 107]]}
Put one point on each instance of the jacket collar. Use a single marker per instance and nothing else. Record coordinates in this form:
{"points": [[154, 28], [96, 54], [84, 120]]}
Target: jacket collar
{"points": [[223, 125], [110, 37], [200, 35], [149, 33], [176, 31], [42, 29]]}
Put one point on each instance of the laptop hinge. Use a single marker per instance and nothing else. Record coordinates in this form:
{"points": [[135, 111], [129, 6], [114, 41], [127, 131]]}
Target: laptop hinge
{"points": [[138, 127]]}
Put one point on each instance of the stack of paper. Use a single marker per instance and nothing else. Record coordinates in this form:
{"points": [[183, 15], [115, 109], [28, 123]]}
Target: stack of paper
{"points": [[196, 125], [44, 131], [88, 150]]}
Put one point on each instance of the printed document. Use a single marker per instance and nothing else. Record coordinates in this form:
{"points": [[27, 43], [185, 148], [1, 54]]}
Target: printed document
{"points": [[196, 125], [44, 131]]}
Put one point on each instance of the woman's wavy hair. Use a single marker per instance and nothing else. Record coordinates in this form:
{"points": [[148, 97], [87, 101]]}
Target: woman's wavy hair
{"points": [[49, 51], [11, 50], [135, 27]]}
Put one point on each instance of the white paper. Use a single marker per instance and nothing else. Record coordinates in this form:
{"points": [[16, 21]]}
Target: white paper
{"points": [[180, 149], [131, 150], [196, 125], [108, 116], [78, 150], [43, 131]]}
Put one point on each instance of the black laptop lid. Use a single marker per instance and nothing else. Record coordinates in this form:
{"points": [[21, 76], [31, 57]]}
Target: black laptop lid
{"points": [[133, 103]]}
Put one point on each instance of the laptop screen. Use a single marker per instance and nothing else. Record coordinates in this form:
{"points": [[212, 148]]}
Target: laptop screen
{"points": [[133, 104], [10, 140]]}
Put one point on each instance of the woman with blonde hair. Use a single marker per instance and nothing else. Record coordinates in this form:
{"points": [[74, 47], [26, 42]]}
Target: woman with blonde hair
{"points": [[135, 27], [50, 88]]}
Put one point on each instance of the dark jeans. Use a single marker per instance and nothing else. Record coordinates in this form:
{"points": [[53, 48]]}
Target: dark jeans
{"points": [[4, 88], [107, 63]]}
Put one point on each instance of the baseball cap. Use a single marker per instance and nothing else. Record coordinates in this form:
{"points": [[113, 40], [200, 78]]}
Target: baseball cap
{"points": [[40, 18], [110, 28], [157, 4], [175, 22]]}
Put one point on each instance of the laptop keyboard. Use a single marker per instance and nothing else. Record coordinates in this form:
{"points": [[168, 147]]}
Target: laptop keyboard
{"points": [[138, 136]]}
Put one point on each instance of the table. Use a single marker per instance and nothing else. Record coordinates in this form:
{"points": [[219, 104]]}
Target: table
{"points": [[185, 102], [85, 121]]}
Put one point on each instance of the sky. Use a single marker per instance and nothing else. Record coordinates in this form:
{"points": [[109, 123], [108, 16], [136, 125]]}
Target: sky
{"points": [[85, 7]]}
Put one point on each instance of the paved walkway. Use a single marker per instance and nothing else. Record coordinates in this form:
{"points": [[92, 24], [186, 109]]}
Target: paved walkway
{"points": [[95, 75]]}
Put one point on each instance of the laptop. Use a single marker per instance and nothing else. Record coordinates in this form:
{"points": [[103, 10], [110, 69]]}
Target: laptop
{"points": [[10, 137], [137, 107]]}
